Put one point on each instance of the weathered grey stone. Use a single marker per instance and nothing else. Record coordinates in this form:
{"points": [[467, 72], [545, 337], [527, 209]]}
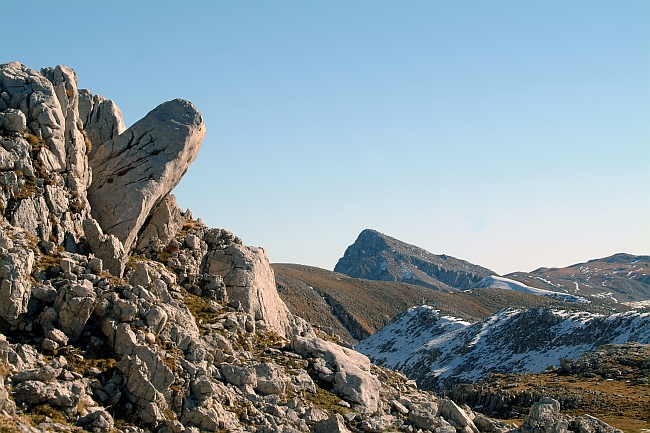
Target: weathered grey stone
{"points": [[271, 379], [333, 424], [49, 345], [137, 380], [57, 394], [13, 120], [7, 160], [95, 265], [202, 389], [106, 247], [399, 407], [192, 242], [209, 419], [239, 375], [446, 429], [15, 286], [377, 424], [140, 276], [314, 415], [5, 402], [64, 81], [44, 374], [424, 415], [32, 215], [250, 281], [101, 117], [136, 170], [57, 200], [31, 93], [353, 379], [45, 293], [67, 264], [125, 340], [589, 424], [97, 420], [156, 319], [544, 417], [165, 221], [302, 382], [456, 416], [75, 304]]}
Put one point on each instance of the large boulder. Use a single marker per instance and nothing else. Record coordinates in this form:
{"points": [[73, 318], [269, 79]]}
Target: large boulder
{"points": [[250, 284], [352, 378], [544, 417], [135, 171]]}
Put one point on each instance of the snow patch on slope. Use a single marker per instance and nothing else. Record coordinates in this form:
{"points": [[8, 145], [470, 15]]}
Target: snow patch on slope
{"points": [[429, 347], [494, 282]]}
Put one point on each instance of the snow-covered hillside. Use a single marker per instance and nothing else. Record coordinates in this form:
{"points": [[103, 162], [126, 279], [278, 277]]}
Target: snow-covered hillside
{"points": [[430, 348], [494, 282]]}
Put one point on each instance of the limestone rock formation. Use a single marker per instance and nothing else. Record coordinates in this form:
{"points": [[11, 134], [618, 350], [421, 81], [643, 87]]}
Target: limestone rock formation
{"points": [[165, 221], [250, 282], [135, 171], [102, 119]]}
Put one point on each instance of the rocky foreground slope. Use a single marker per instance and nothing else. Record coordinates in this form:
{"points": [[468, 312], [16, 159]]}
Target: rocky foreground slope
{"points": [[376, 256], [120, 312]]}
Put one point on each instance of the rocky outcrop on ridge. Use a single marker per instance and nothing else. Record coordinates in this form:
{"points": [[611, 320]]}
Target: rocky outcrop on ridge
{"points": [[188, 333], [133, 172], [376, 256]]}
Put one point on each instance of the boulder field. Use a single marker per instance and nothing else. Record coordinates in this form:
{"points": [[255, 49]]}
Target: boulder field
{"points": [[121, 312]]}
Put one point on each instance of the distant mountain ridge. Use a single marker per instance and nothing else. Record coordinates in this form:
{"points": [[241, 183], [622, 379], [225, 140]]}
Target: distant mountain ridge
{"points": [[432, 348], [376, 256], [621, 277], [355, 308]]}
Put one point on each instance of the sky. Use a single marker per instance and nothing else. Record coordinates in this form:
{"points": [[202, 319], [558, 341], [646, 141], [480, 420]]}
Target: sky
{"points": [[512, 134]]}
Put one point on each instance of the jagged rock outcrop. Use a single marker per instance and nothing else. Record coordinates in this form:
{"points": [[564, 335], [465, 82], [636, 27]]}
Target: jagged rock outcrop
{"points": [[133, 172], [250, 284], [376, 256], [102, 119], [44, 169], [105, 247], [16, 262]]}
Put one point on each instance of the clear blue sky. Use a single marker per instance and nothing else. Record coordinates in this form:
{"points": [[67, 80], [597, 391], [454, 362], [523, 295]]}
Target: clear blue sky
{"points": [[513, 134]]}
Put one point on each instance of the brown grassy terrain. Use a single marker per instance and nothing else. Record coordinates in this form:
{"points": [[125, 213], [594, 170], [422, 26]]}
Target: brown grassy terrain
{"points": [[612, 384]]}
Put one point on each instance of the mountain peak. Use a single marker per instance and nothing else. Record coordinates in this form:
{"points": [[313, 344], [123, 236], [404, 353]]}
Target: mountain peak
{"points": [[376, 256]]}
